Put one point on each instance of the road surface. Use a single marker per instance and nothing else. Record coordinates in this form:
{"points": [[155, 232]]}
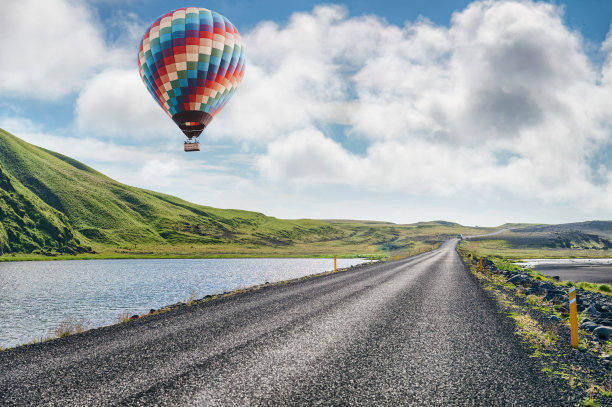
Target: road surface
{"points": [[418, 331]]}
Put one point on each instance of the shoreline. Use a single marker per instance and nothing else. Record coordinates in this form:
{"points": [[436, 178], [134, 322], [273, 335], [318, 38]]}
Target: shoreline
{"points": [[102, 256], [193, 302]]}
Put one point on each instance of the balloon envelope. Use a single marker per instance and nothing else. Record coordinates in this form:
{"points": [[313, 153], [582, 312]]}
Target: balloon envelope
{"points": [[192, 61]]}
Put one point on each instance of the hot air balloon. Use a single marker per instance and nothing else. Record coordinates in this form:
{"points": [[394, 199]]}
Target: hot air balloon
{"points": [[192, 61]]}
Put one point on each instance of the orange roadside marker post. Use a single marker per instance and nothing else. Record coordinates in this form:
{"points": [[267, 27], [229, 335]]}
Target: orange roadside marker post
{"points": [[335, 268], [471, 256], [573, 317], [370, 259]]}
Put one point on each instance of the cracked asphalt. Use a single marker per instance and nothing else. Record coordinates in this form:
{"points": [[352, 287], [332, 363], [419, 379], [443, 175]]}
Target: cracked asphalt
{"points": [[418, 331]]}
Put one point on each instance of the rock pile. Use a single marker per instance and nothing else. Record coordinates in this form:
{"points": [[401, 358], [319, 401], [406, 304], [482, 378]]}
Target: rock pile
{"points": [[596, 308]]}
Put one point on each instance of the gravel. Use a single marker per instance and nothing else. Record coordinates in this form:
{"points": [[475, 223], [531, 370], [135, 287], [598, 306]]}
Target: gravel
{"points": [[418, 331]]}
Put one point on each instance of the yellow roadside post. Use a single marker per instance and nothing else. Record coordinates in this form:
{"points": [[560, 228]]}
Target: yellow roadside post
{"points": [[335, 269], [370, 259], [481, 264], [573, 317], [471, 256]]}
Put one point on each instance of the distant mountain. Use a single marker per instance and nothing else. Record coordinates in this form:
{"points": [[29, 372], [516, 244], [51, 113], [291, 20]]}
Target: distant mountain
{"points": [[50, 203], [593, 227]]}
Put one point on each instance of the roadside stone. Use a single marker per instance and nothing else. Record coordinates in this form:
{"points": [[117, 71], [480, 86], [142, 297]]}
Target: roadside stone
{"points": [[555, 318], [514, 280], [603, 332], [557, 278], [589, 326], [550, 295], [592, 310]]}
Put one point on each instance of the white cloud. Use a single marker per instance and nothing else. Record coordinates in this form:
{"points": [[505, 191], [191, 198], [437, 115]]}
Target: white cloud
{"points": [[439, 108], [117, 103], [50, 47], [87, 149], [504, 101]]}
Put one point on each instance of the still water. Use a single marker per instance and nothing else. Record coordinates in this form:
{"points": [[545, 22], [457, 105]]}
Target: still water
{"points": [[35, 297]]}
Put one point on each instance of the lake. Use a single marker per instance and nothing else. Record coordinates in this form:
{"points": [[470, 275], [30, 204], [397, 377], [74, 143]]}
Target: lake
{"points": [[589, 270], [36, 296]]}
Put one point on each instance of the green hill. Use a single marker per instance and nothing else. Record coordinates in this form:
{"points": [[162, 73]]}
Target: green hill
{"points": [[53, 204]]}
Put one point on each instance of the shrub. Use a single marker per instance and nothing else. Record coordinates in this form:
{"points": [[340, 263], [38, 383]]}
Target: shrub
{"points": [[605, 287]]}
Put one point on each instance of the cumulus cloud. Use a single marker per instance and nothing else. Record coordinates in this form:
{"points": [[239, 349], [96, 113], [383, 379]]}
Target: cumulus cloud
{"points": [[86, 148], [116, 103], [50, 48], [504, 99]]}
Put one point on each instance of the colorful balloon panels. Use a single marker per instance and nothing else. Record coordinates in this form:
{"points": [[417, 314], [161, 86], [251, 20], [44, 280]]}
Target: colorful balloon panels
{"points": [[192, 61]]}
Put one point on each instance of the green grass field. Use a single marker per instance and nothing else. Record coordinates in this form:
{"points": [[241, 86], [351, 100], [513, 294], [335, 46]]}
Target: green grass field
{"points": [[53, 206]]}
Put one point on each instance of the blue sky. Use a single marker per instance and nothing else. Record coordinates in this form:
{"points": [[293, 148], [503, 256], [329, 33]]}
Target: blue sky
{"points": [[475, 112]]}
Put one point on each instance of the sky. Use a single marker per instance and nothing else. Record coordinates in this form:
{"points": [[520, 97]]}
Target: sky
{"points": [[481, 112]]}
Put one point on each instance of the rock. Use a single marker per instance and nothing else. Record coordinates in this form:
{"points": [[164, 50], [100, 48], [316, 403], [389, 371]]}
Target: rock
{"points": [[555, 318], [514, 280], [605, 321], [536, 291], [550, 295], [488, 263], [547, 286], [592, 311], [603, 332], [589, 326], [152, 311], [134, 316], [599, 307], [560, 299], [556, 278], [521, 279]]}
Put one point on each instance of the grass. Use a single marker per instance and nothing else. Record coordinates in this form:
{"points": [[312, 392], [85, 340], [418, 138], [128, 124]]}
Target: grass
{"points": [[123, 317], [530, 330], [68, 327], [192, 298], [54, 207]]}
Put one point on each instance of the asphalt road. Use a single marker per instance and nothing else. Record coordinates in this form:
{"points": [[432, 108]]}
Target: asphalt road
{"points": [[418, 331]]}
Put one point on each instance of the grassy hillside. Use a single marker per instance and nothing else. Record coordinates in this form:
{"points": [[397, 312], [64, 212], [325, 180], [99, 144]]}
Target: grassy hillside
{"points": [[27, 224], [55, 204]]}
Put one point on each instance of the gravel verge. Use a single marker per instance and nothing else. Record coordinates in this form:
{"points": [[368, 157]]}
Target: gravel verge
{"points": [[540, 309]]}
